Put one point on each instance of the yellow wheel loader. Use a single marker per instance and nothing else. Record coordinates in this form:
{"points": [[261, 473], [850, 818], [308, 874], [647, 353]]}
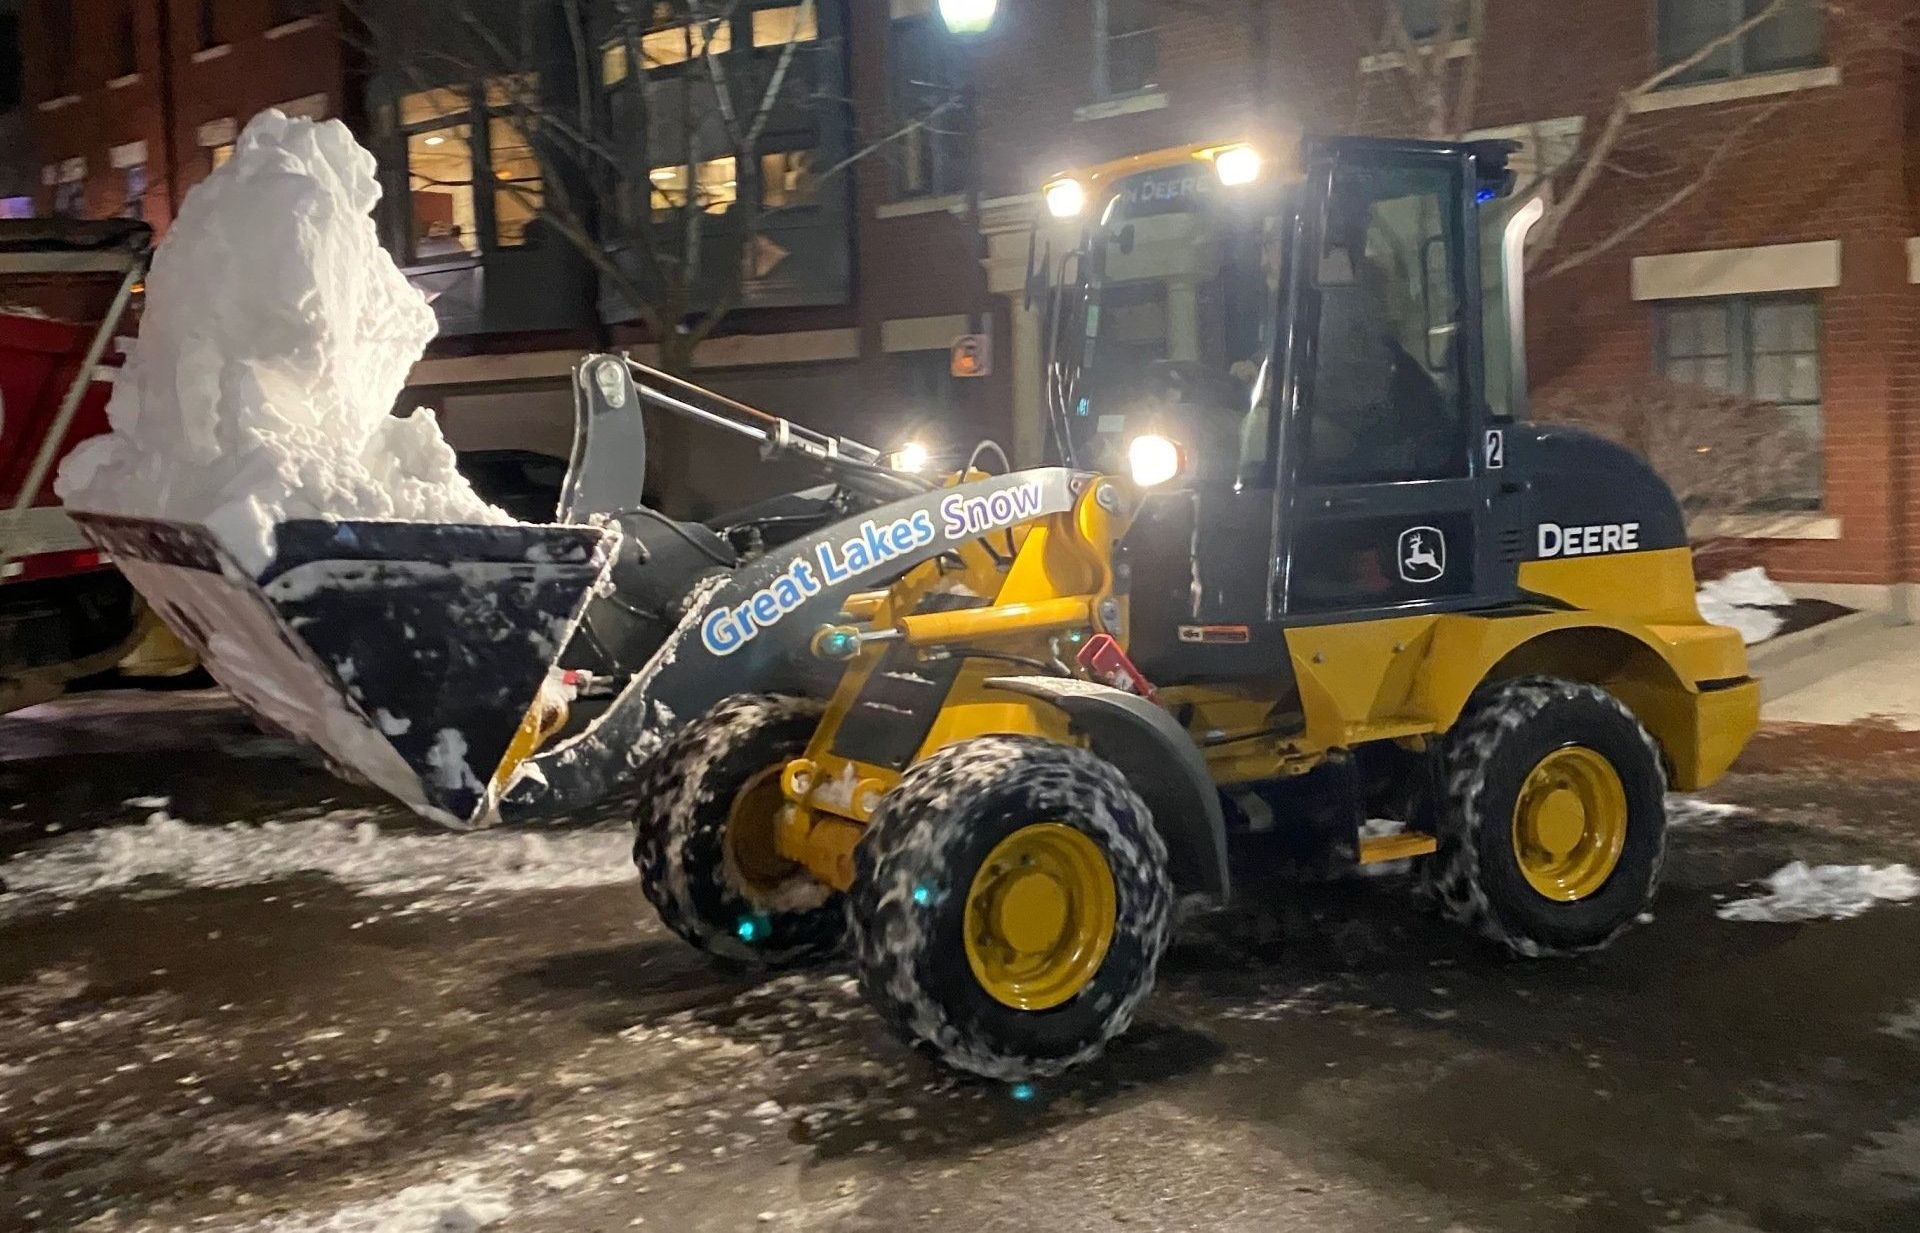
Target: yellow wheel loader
{"points": [[1302, 563]]}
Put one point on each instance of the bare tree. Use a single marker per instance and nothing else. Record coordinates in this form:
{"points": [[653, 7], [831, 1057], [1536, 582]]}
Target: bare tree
{"points": [[647, 127], [1433, 85], [1739, 468]]}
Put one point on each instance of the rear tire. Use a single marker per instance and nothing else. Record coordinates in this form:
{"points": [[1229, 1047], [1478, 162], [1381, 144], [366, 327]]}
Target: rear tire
{"points": [[1009, 907], [704, 836], [1554, 827]]}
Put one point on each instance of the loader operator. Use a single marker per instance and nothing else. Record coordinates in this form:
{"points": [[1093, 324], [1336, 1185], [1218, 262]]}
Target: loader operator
{"points": [[1377, 412]]}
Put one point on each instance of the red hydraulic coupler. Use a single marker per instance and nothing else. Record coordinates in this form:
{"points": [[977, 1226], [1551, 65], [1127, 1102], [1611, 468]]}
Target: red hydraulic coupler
{"points": [[1109, 664]]}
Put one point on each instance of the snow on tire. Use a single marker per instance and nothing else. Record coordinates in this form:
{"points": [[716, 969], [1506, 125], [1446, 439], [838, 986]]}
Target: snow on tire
{"points": [[1476, 878], [908, 905], [688, 869]]}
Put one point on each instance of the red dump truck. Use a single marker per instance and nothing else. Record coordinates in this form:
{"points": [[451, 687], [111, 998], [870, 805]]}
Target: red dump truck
{"points": [[65, 287]]}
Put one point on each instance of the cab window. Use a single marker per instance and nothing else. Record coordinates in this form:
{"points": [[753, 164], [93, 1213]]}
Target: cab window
{"points": [[1385, 399]]}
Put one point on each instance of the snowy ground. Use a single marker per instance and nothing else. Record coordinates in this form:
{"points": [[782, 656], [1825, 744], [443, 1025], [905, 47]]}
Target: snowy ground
{"points": [[280, 1008]]}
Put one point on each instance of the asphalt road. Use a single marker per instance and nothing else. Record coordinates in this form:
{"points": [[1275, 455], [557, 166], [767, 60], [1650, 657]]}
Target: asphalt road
{"points": [[406, 1051]]}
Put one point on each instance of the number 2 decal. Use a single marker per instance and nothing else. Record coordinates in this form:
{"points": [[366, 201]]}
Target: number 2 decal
{"points": [[1496, 449]]}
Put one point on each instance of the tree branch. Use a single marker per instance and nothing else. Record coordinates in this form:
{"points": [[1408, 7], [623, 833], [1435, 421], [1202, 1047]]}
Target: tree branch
{"points": [[1601, 152], [1702, 175]]}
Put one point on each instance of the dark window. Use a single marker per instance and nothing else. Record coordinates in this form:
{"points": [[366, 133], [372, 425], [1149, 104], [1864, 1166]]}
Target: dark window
{"points": [[284, 11], [1426, 20], [9, 61], [57, 18], [931, 155], [209, 24], [1126, 50], [1766, 349], [127, 46], [1790, 38], [1385, 394]]}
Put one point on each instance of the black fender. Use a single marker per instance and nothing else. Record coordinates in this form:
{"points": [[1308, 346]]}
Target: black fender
{"points": [[1160, 762]]}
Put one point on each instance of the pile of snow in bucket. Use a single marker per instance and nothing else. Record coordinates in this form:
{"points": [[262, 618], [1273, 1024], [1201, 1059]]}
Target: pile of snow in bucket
{"points": [[276, 336], [1800, 891], [1747, 600]]}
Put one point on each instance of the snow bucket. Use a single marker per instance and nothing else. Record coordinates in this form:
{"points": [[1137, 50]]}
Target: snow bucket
{"points": [[408, 653]]}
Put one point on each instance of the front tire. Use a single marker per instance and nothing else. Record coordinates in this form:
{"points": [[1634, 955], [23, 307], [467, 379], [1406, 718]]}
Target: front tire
{"points": [[1554, 828], [1009, 907], [704, 841]]}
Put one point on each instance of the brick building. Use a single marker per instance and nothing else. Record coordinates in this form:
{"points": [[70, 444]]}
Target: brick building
{"points": [[131, 102], [1787, 274]]}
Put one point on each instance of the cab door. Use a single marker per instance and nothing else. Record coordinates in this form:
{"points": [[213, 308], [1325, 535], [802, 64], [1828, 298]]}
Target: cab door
{"points": [[1388, 463]]}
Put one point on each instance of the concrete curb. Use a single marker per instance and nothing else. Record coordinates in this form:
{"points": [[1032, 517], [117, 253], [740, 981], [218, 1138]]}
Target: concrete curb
{"points": [[1797, 660]]}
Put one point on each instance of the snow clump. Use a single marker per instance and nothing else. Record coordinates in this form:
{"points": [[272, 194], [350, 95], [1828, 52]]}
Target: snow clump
{"points": [[277, 335], [1745, 600], [431, 871], [1798, 892]]}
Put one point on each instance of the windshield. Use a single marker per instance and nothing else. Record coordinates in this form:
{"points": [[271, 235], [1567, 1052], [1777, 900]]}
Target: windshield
{"points": [[1175, 333]]}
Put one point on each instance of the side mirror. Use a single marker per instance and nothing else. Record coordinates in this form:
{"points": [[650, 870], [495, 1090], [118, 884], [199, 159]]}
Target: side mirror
{"points": [[1126, 240]]}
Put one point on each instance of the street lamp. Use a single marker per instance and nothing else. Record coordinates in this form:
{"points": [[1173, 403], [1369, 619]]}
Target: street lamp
{"points": [[967, 20], [967, 16]]}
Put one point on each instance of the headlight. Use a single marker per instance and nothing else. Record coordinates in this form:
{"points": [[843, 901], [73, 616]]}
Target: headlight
{"points": [[1153, 459], [911, 458], [1237, 165], [1064, 197]]}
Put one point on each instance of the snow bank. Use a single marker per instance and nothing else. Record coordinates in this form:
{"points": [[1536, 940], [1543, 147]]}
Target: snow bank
{"points": [[1748, 588], [1692, 811], [1745, 600], [277, 335], [462, 1204], [430, 870], [1799, 892]]}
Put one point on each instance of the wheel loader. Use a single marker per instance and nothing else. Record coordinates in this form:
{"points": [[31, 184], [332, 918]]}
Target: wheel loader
{"points": [[1300, 563]]}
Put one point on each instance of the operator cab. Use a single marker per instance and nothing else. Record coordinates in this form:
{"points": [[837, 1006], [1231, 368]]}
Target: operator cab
{"points": [[1325, 338]]}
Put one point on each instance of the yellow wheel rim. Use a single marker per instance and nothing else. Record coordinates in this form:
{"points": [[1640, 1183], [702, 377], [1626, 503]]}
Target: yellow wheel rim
{"points": [[1570, 824], [1040, 916], [752, 832]]}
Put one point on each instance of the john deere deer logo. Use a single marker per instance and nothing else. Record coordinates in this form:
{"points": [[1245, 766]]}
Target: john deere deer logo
{"points": [[1423, 554]]}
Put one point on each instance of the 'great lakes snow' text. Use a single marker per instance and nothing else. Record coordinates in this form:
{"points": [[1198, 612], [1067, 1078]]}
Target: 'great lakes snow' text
{"points": [[962, 516]]}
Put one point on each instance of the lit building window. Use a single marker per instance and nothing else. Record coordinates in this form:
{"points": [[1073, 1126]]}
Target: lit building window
{"points": [[517, 187], [465, 196], [715, 186], [215, 138], [796, 23], [440, 183], [426, 106], [787, 178], [615, 64], [668, 45], [678, 44]]}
